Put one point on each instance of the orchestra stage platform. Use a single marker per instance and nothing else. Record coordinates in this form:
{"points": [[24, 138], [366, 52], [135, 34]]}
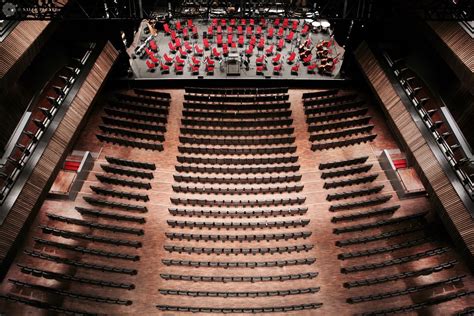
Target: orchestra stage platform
{"points": [[231, 45]]}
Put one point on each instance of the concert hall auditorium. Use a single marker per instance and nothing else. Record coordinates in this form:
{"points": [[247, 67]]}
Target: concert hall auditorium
{"points": [[245, 157]]}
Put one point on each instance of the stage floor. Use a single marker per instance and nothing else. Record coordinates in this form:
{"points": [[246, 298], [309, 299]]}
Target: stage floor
{"points": [[141, 71]]}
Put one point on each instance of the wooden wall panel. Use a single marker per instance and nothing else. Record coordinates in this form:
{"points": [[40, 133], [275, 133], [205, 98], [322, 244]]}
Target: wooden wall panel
{"points": [[46, 169], [453, 212]]}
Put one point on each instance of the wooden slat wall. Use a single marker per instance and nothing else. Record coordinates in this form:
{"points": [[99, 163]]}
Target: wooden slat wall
{"points": [[457, 48], [454, 214], [46, 169], [20, 47]]}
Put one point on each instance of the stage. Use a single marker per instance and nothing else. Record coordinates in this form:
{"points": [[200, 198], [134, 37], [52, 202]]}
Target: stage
{"points": [[156, 55]]}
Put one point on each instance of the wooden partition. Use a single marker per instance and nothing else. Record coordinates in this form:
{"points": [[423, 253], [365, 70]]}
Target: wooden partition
{"points": [[45, 171], [453, 212]]}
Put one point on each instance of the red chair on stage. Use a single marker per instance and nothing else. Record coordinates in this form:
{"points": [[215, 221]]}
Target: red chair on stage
{"points": [[259, 31], [253, 41], [290, 36], [178, 69], [295, 69], [215, 53], [185, 34], [285, 23], [240, 30], [179, 27], [281, 31], [198, 50], [249, 31], [195, 70], [219, 40], [177, 42], [243, 22], [154, 59], [182, 52], [232, 22], [276, 59], [151, 65], [312, 68], [165, 69], [167, 29], [305, 30], [241, 41], [168, 59], [210, 69], [173, 35], [230, 39], [209, 61], [277, 70], [214, 23], [230, 29], [195, 61], [294, 28], [223, 22], [252, 22], [190, 23], [261, 44], [263, 23], [219, 29], [225, 50], [281, 44], [260, 60], [148, 51], [307, 60], [260, 70], [276, 23], [269, 50], [206, 44], [195, 32], [188, 47], [270, 33], [179, 61], [210, 32], [249, 51], [153, 46], [291, 58], [172, 47]]}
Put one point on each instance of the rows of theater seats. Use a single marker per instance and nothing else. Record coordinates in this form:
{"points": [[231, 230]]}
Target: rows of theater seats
{"points": [[380, 241], [42, 115], [336, 119], [100, 245], [238, 142], [136, 120]]}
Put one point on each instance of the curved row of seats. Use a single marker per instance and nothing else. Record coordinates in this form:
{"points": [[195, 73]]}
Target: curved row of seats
{"points": [[120, 194], [127, 171], [335, 107], [80, 264], [240, 294], [241, 98], [238, 203], [239, 191], [395, 261], [110, 215], [103, 178], [360, 203], [402, 275], [365, 214], [237, 180], [237, 132], [87, 250], [328, 117], [238, 169], [351, 181], [339, 123], [240, 123], [342, 132], [235, 105], [329, 99], [50, 275], [344, 142], [343, 163], [239, 213], [239, 238], [236, 225], [235, 91], [81, 296], [354, 193], [119, 131], [361, 227], [95, 225], [130, 163], [239, 141], [252, 310], [413, 228], [238, 251], [238, 161], [113, 204], [209, 114], [139, 106], [346, 171], [239, 264], [129, 143], [261, 150], [215, 278], [134, 124]]}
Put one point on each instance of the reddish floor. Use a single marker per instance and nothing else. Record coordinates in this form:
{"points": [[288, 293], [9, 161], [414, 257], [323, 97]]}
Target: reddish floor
{"points": [[330, 280]]}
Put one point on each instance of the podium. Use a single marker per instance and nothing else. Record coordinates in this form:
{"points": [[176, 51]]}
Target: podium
{"points": [[233, 64]]}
